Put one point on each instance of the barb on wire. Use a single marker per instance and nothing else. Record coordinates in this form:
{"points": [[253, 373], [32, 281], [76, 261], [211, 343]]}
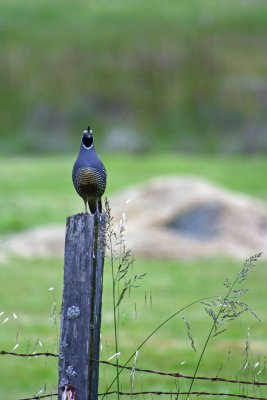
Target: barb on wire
{"points": [[12, 353]]}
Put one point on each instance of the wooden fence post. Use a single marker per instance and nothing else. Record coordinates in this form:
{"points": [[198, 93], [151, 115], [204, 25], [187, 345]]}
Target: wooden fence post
{"points": [[81, 307]]}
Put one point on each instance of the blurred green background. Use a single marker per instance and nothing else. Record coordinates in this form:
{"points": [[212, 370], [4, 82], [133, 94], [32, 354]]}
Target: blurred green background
{"points": [[151, 75], [181, 85]]}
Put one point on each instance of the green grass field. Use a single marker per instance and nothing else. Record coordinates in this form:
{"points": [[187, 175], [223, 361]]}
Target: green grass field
{"points": [[40, 192]]}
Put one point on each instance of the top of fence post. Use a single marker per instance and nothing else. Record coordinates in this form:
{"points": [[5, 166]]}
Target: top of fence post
{"points": [[81, 306]]}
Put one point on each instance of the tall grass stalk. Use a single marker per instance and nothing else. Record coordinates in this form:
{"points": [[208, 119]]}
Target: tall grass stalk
{"points": [[241, 276], [109, 244], [121, 261], [152, 333]]}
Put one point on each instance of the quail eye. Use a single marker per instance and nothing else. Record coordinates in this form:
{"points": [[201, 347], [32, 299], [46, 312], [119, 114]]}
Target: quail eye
{"points": [[87, 140]]}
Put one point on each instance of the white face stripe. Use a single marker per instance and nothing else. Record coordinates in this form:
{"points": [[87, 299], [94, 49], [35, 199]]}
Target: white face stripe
{"points": [[86, 131], [87, 148]]}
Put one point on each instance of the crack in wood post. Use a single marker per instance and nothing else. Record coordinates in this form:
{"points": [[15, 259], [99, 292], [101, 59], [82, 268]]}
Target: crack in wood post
{"points": [[81, 306]]}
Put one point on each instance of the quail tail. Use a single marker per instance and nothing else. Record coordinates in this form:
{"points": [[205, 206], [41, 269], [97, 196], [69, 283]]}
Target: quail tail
{"points": [[99, 205], [85, 204], [92, 206], [95, 206]]}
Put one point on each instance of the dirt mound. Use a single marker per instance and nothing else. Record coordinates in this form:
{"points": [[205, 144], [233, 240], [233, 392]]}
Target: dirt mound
{"points": [[175, 218], [188, 218], [46, 241]]}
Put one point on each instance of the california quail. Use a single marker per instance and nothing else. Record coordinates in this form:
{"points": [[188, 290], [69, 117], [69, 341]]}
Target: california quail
{"points": [[89, 175]]}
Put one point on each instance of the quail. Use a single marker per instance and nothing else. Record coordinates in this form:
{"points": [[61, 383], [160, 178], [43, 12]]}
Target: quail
{"points": [[89, 175]]}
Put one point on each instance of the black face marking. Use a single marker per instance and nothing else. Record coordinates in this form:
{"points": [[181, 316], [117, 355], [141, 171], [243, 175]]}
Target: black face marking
{"points": [[87, 140]]}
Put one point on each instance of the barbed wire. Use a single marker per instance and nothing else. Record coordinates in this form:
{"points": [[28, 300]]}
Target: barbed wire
{"points": [[150, 371], [159, 393], [178, 375], [12, 353], [40, 397], [241, 396]]}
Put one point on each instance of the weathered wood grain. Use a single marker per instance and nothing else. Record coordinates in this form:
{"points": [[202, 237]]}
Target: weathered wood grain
{"points": [[81, 306]]}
